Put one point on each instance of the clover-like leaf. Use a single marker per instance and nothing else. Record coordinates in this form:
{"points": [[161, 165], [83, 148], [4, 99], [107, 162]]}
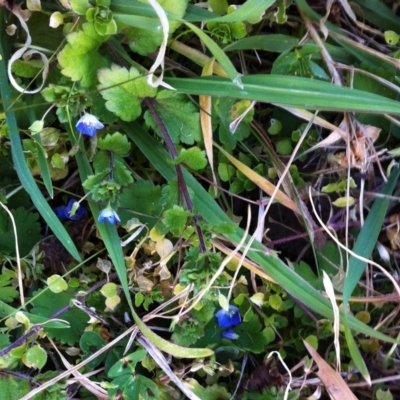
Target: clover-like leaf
{"points": [[36, 357], [123, 90], [57, 284], [80, 59]]}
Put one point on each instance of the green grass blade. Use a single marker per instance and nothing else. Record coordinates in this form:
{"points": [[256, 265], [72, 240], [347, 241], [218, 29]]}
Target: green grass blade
{"points": [[355, 352], [368, 236], [289, 91], [211, 212], [219, 55], [276, 43], [378, 13], [43, 165], [248, 11], [23, 172]]}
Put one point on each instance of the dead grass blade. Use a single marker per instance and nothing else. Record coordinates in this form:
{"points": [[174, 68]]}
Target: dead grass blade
{"points": [[334, 383]]}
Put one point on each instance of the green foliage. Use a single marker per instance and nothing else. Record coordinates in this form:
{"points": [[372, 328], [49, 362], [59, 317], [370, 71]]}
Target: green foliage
{"points": [[28, 231], [225, 112], [102, 18], [131, 166], [48, 303], [123, 90], [90, 343], [180, 116], [7, 292], [145, 41], [126, 382], [68, 100], [143, 198], [194, 158], [117, 143], [80, 59]]}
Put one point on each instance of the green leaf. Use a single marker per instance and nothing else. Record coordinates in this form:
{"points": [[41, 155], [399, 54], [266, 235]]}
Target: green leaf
{"points": [[251, 10], [176, 218], [16, 388], [219, 55], [109, 289], [36, 356], [7, 292], [80, 6], [27, 69], [123, 90], [194, 158], [90, 343], [180, 116], [57, 284], [117, 143], [48, 303], [80, 59], [143, 198], [146, 39], [127, 365], [28, 230]]}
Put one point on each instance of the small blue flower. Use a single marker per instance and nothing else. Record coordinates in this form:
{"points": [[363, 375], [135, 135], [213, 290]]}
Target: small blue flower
{"points": [[109, 215], [89, 125], [64, 212], [230, 334], [227, 319]]}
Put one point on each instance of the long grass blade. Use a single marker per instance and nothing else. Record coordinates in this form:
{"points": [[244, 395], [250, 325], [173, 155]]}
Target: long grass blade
{"points": [[24, 174]]}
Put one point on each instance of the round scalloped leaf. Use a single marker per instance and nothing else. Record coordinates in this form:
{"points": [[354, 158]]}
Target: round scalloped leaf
{"points": [[57, 284], [123, 90], [109, 290], [80, 59], [35, 357], [112, 302]]}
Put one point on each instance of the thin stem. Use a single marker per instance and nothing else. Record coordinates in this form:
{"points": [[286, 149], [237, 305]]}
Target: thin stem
{"points": [[181, 181]]}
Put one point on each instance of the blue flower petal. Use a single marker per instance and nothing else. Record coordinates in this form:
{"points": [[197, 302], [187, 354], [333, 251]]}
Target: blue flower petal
{"points": [[230, 334], [78, 213], [63, 212], [89, 125], [227, 319], [109, 215]]}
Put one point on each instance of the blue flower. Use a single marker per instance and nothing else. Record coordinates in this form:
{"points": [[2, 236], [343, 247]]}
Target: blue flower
{"points": [[227, 319], [89, 125], [230, 334], [64, 212], [109, 215]]}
